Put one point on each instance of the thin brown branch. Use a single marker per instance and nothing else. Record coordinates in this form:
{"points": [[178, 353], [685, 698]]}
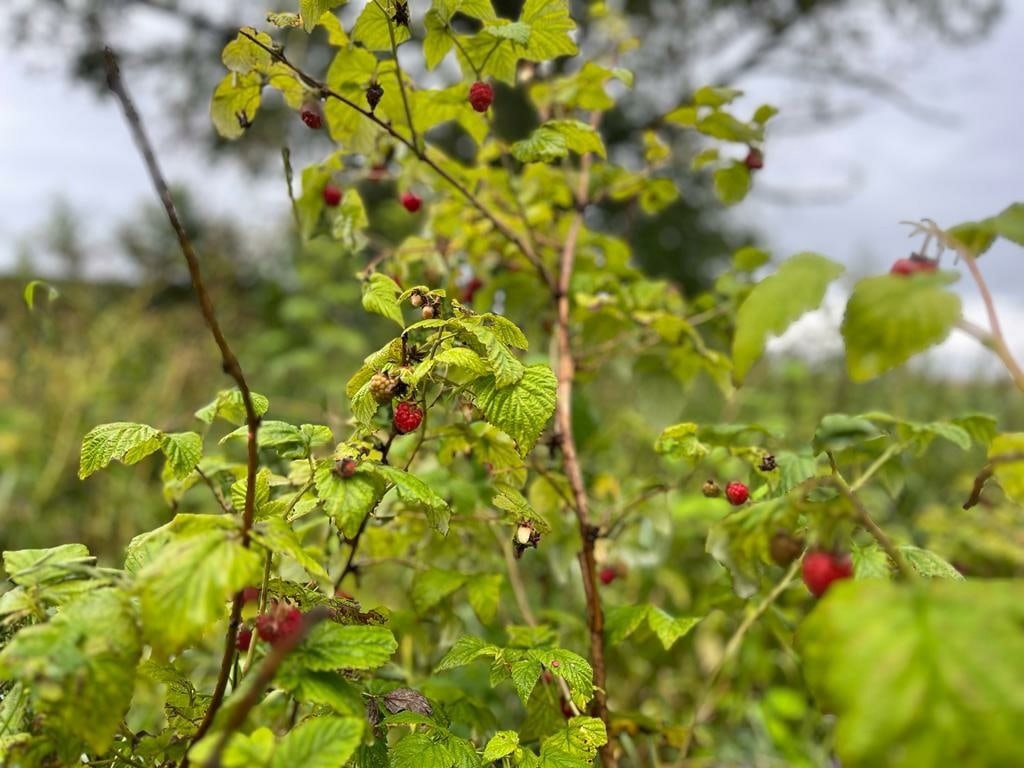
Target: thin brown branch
{"points": [[257, 685], [566, 372], [520, 242], [354, 544], [230, 362], [986, 473]]}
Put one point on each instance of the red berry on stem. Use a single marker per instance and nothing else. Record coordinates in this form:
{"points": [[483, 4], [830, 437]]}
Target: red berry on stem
{"points": [[737, 493], [821, 568], [332, 195], [408, 417], [913, 265], [244, 639], [411, 201], [754, 159], [480, 96], [607, 575], [280, 622], [312, 114], [470, 289]]}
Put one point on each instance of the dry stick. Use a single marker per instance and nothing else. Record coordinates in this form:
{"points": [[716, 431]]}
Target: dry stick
{"points": [[517, 240], [563, 420], [230, 365], [258, 683]]}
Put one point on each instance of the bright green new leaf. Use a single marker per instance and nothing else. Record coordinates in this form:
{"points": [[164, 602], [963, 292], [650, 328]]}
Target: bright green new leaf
{"points": [[1006, 453], [418, 495], [709, 96], [550, 29], [555, 139], [81, 665], [374, 28], [183, 451], [521, 410], [121, 441], [893, 317], [30, 567], [920, 674], [500, 745], [321, 742], [978, 236], [29, 293], [186, 589], [669, 629], [348, 499], [236, 100], [331, 646], [571, 667], [732, 182], [776, 302], [722, 125], [380, 296], [229, 406], [312, 10], [465, 650], [929, 564], [242, 56]]}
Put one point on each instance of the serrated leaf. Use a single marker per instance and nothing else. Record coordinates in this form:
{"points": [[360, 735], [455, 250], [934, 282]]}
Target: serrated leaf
{"points": [[419, 750], [776, 302], [277, 535], [431, 587], [331, 646], [418, 495], [80, 665], [891, 318], [321, 742], [500, 745], [902, 667], [122, 441], [521, 410], [837, 432], [30, 567], [465, 650], [978, 236], [312, 10], [228, 405], [187, 587], [571, 667], [347, 500], [580, 739], [550, 29], [505, 366], [579, 137], [524, 673], [681, 441], [372, 29], [929, 564], [621, 621], [483, 591], [261, 495], [667, 628], [380, 296], [183, 451], [235, 102]]}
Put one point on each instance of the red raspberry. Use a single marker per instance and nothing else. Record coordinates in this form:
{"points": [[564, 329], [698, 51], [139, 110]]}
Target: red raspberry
{"points": [[346, 467], [244, 639], [754, 159], [821, 568], [470, 288], [279, 623], [411, 201], [250, 595], [332, 195], [312, 114], [607, 575], [408, 417], [480, 96], [737, 493], [913, 265]]}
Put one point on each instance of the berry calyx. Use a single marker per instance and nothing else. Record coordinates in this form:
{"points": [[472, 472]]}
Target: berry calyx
{"points": [[332, 195], [480, 96], [711, 489], [280, 622], [408, 417], [915, 264], [374, 93], [821, 568], [607, 575], [768, 463], [411, 201], [244, 639], [345, 467], [737, 493], [312, 114], [754, 159], [382, 387]]}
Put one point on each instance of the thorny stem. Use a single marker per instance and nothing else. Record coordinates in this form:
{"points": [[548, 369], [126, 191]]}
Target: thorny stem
{"points": [[868, 523], [230, 365], [521, 243], [566, 371]]}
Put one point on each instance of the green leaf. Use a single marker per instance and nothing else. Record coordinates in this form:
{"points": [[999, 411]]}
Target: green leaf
{"points": [[30, 292], [732, 182], [920, 674], [685, 116], [483, 339], [380, 296], [260, 497], [420, 750], [764, 113], [418, 495], [555, 139], [929, 564], [569, 666], [748, 258], [722, 125], [321, 742], [621, 621], [709, 96], [229, 406], [235, 102], [186, 588], [183, 451], [242, 56], [500, 745], [681, 441], [776, 302], [978, 236], [371, 29], [581, 738], [80, 666], [465, 650], [1006, 452], [121, 441], [667, 628], [431, 587], [521, 410], [551, 29], [30, 567], [331, 646], [277, 535], [579, 136], [515, 31], [347, 500], [893, 317], [837, 432], [525, 672], [484, 593], [312, 10]]}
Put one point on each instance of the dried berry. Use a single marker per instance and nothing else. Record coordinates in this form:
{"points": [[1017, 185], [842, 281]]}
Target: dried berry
{"points": [[374, 93], [768, 463], [754, 159], [429, 312], [785, 548], [711, 489]]}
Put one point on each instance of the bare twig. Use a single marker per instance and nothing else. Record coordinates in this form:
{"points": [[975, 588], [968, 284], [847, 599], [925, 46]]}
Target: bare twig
{"points": [[986, 473], [230, 363]]}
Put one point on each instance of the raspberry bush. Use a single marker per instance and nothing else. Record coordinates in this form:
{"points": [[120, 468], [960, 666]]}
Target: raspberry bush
{"points": [[477, 570]]}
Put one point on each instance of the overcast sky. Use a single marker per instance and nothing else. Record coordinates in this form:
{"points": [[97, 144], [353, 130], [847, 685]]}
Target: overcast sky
{"points": [[58, 139]]}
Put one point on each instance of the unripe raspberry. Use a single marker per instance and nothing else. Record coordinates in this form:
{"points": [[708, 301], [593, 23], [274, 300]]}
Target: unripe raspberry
{"points": [[312, 114], [737, 493], [332, 195], [429, 312], [382, 387], [711, 489], [821, 568], [416, 300], [754, 159], [411, 201], [784, 549], [480, 96], [408, 417]]}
